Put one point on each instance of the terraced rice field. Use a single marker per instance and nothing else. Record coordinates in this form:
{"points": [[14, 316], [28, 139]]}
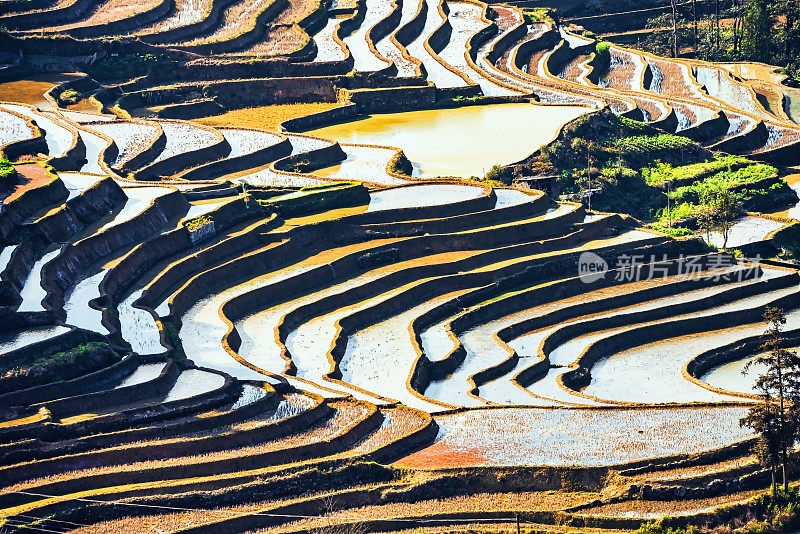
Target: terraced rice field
{"points": [[278, 321]]}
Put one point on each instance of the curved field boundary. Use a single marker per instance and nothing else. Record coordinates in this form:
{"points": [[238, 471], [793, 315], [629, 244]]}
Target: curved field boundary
{"points": [[35, 144], [437, 41], [123, 25], [91, 205], [77, 152], [409, 32], [42, 394], [579, 377], [783, 155], [106, 433], [481, 39], [74, 154], [348, 60], [109, 155], [483, 283], [746, 141], [348, 26], [574, 330], [166, 430], [76, 10], [9, 7], [169, 166], [704, 362], [477, 220], [150, 253], [17, 211], [60, 343], [309, 25], [300, 422], [211, 19], [406, 34], [84, 402], [231, 467], [563, 54], [528, 376], [382, 29], [63, 271], [426, 370], [684, 101], [721, 105], [14, 277], [710, 129], [245, 304], [282, 475], [276, 251], [255, 32], [129, 270], [292, 249]]}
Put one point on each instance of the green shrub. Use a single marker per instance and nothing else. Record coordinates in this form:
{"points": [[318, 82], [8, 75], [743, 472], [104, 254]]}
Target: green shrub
{"points": [[675, 231], [70, 96], [123, 66], [496, 173], [655, 528], [197, 222], [7, 173], [538, 14], [603, 49]]}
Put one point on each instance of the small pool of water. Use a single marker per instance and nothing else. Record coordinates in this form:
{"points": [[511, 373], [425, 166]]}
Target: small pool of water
{"points": [[94, 147], [461, 141], [144, 373], [746, 230], [792, 106], [193, 382], [32, 292], [5, 256], [250, 394], [511, 197], [732, 375], [422, 195], [15, 340], [76, 183], [139, 199], [363, 163]]}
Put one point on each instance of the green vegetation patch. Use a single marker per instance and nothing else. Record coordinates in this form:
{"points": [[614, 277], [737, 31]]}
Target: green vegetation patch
{"points": [[538, 14], [198, 222], [174, 339], [78, 361], [631, 167], [116, 67], [649, 144], [69, 97], [661, 175], [8, 173]]}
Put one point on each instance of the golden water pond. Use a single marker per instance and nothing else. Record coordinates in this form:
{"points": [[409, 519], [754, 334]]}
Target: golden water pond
{"points": [[463, 141]]}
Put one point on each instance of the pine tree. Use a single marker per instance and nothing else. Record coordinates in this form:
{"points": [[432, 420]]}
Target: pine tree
{"points": [[776, 419]]}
